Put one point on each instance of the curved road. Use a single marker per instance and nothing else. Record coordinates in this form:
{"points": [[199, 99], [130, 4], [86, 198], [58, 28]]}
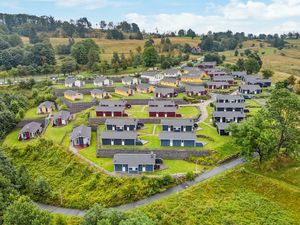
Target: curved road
{"points": [[207, 174]]}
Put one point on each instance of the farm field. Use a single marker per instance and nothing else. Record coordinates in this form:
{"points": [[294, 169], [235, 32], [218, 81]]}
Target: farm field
{"points": [[283, 62], [240, 196], [121, 46]]}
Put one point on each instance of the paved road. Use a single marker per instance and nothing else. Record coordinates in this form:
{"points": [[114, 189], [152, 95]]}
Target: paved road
{"points": [[171, 191]]}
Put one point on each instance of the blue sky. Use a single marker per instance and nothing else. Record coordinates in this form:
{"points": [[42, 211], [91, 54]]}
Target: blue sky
{"points": [[255, 16]]}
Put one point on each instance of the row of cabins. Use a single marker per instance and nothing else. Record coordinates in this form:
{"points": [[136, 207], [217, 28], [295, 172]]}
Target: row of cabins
{"points": [[227, 109]]}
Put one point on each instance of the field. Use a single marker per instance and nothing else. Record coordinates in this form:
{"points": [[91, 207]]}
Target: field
{"points": [[240, 196], [283, 62], [121, 46]]}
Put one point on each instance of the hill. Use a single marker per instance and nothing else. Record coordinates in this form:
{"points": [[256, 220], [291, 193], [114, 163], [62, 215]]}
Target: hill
{"points": [[241, 196], [284, 62]]}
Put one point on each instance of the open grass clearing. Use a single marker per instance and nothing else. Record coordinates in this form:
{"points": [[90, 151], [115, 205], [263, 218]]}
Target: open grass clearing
{"points": [[12, 140], [32, 114], [238, 196]]}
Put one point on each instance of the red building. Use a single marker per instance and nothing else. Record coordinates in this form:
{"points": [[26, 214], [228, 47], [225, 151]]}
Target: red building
{"points": [[111, 111], [163, 112]]}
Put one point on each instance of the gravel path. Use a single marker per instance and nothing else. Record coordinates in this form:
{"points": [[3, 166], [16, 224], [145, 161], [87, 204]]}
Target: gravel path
{"points": [[207, 174]]}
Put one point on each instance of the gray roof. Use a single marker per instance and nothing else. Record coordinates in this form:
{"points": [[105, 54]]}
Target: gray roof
{"points": [[218, 84], [190, 76], [143, 86], [222, 78], [47, 104], [216, 72], [177, 135], [133, 160], [150, 73], [161, 102], [171, 71], [239, 73], [170, 80], [164, 90], [266, 80], [100, 79], [69, 81], [229, 105], [97, 92], [110, 108], [209, 63], [119, 135], [191, 88], [222, 126], [162, 109], [250, 87], [127, 79], [229, 114], [71, 93], [63, 114], [105, 102], [177, 122], [229, 97], [31, 127], [81, 131], [192, 70], [121, 121], [123, 89]]}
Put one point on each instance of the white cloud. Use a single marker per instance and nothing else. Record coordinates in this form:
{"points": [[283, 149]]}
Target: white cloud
{"points": [[251, 17]]}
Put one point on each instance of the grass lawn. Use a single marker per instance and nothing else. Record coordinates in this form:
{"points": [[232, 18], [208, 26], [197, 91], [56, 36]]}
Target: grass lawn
{"points": [[86, 98], [239, 196], [179, 166], [189, 111], [90, 153], [32, 114], [12, 139], [118, 84], [222, 144], [210, 110], [59, 134]]}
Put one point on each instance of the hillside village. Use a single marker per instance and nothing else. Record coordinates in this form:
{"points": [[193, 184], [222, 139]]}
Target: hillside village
{"points": [[108, 123], [168, 101]]}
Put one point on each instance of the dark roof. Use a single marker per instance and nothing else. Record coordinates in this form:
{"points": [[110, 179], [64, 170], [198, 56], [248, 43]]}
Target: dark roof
{"points": [[164, 90], [62, 114], [229, 97], [110, 108], [210, 63], [106, 102], [71, 93], [81, 131], [218, 84], [192, 70], [229, 114], [47, 104], [162, 109], [119, 135], [191, 88], [161, 102], [143, 86], [121, 121], [127, 79], [31, 127], [133, 160], [177, 135], [229, 105], [100, 79], [190, 76], [222, 78], [250, 87], [222, 126], [177, 122]]}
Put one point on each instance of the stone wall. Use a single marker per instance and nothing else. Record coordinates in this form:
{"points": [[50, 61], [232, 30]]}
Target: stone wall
{"points": [[164, 154]]}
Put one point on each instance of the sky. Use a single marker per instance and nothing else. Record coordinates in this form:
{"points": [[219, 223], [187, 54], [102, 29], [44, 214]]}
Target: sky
{"points": [[255, 16]]}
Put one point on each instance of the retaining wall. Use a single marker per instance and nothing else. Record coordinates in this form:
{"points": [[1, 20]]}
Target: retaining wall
{"points": [[164, 154]]}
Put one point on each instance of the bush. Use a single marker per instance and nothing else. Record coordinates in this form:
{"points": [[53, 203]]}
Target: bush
{"points": [[190, 176]]}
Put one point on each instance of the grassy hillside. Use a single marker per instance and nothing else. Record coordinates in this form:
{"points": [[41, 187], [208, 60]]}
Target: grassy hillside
{"points": [[241, 196], [81, 185], [121, 46], [284, 62]]}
